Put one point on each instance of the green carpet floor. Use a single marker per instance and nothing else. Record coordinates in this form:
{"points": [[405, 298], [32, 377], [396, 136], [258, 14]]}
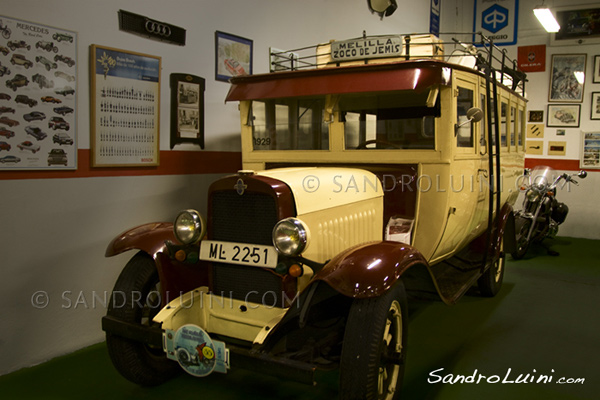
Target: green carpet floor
{"points": [[545, 321]]}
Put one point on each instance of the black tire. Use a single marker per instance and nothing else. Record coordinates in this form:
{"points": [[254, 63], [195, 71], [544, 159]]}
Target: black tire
{"points": [[522, 226], [490, 282], [374, 349], [136, 361]]}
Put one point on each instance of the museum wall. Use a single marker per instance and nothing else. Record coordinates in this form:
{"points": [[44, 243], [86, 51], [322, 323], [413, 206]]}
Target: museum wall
{"points": [[56, 224], [584, 214]]}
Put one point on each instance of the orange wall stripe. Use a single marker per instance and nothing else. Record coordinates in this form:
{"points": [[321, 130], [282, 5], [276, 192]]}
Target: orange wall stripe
{"points": [[171, 163]]}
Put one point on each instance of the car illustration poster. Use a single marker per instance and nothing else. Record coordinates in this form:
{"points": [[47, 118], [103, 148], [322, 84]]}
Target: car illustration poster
{"points": [[125, 101], [38, 96], [590, 156]]}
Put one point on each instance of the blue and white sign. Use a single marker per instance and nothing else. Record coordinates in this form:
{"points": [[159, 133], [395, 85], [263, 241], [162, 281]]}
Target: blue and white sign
{"points": [[498, 20], [434, 17]]}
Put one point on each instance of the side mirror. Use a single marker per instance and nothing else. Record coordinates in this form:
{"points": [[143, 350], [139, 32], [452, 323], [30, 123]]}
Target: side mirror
{"points": [[474, 114], [383, 8]]}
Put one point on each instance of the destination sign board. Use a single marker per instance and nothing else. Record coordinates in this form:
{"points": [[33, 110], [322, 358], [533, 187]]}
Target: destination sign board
{"points": [[377, 47]]}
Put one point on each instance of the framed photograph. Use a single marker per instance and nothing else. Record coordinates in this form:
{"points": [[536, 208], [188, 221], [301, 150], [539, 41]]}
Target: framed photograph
{"points": [[187, 109], [590, 154], [233, 56], [125, 108], [535, 116], [577, 25], [595, 106], [563, 115], [38, 103], [596, 72], [567, 78]]}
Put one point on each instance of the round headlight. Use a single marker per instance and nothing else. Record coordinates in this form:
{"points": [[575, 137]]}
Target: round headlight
{"points": [[532, 195], [290, 237], [189, 227]]}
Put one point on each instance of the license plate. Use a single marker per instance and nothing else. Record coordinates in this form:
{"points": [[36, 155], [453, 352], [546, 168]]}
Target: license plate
{"points": [[254, 255]]}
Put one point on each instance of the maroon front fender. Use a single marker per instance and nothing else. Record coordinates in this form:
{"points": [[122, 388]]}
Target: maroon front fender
{"points": [[149, 238], [369, 270], [176, 277]]}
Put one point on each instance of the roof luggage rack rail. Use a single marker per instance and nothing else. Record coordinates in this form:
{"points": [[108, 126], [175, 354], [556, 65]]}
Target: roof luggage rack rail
{"points": [[477, 52]]}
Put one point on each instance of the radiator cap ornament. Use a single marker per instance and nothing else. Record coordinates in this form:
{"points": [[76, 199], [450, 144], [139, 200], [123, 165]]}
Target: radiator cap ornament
{"points": [[240, 186]]}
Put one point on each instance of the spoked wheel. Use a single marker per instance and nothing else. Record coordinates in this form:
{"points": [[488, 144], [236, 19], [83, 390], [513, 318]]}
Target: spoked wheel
{"points": [[491, 281], [136, 298], [374, 350], [522, 225]]}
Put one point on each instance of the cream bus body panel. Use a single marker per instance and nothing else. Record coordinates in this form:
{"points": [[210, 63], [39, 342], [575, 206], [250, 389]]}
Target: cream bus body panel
{"points": [[453, 191]]}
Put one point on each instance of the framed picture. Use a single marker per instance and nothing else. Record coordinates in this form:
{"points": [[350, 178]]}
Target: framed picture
{"points": [[595, 106], [577, 25], [125, 108], [596, 72], [187, 109], [233, 56], [590, 154], [535, 116], [567, 78], [38, 103], [563, 115]]}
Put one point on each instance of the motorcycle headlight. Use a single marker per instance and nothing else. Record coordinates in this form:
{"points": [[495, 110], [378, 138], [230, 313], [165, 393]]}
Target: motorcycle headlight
{"points": [[290, 237], [189, 226], [532, 195]]}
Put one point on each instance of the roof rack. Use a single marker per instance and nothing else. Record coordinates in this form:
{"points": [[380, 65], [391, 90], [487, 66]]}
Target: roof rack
{"points": [[477, 52]]}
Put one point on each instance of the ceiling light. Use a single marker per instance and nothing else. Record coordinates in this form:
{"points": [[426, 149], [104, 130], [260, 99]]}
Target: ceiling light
{"points": [[546, 18]]}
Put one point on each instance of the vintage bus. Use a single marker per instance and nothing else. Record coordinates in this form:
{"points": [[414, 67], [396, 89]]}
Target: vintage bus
{"points": [[375, 170]]}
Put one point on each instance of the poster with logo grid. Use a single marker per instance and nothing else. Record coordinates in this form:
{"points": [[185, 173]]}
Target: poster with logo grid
{"points": [[38, 85], [125, 106]]}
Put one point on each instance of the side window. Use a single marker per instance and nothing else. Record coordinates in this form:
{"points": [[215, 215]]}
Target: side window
{"points": [[503, 123], [513, 124], [464, 102], [484, 127], [520, 132]]}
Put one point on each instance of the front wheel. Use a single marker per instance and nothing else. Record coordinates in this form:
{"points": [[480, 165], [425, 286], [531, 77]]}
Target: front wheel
{"points": [[491, 281], [374, 350], [522, 225], [136, 299]]}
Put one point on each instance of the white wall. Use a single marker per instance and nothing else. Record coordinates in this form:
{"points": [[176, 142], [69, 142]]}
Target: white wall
{"points": [[584, 214], [54, 231]]}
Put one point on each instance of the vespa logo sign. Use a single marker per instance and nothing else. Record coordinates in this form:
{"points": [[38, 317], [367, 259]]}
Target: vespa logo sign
{"points": [[495, 18], [497, 21]]}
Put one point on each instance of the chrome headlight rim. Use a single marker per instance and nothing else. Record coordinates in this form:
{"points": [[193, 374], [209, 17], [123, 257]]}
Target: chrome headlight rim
{"points": [[291, 237], [532, 195], [189, 226]]}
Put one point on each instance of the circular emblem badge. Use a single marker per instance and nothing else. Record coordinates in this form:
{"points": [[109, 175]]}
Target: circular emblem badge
{"points": [[195, 350]]}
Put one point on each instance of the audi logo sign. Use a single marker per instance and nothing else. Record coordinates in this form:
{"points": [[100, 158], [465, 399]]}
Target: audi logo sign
{"points": [[157, 28], [150, 28]]}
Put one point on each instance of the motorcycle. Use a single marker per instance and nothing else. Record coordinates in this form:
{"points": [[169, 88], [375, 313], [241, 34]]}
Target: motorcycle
{"points": [[542, 213]]}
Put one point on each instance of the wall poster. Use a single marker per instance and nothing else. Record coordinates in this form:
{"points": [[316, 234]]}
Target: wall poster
{"points": [[590, 155], [38, 82], [125, 107]]}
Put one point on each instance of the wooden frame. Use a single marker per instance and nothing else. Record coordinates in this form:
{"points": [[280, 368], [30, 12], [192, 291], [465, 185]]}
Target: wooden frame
{"points": [[187, 109], [567, 78], [125, 108], [596, 71], [595, 106], [563, 115], [233, 56]]}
